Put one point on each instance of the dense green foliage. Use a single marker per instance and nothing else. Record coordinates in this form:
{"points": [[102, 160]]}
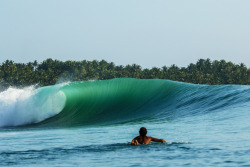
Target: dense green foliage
{"points": [[50, 72]]}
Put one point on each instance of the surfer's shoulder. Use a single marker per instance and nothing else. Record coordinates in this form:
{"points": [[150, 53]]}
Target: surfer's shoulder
{"points": [[137, 138], [135, 141]]}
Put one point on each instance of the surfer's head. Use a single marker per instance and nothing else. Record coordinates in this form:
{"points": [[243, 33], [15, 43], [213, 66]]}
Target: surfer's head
{"points": [[143, 131]]}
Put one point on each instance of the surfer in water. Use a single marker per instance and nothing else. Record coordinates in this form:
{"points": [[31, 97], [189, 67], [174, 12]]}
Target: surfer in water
{"points": [[143, 139]]}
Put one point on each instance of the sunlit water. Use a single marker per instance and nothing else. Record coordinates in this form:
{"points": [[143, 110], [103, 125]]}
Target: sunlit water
{"points": [[220, 137]]}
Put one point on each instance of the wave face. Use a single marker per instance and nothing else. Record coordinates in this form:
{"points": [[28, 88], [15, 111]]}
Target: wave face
{"points": [[115, 101]]}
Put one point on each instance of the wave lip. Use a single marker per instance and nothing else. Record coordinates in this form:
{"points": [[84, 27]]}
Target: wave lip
{"points": [[115, 101]]}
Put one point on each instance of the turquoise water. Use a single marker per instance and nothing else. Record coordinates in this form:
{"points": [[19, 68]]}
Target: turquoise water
{"points": [[92, 124]]}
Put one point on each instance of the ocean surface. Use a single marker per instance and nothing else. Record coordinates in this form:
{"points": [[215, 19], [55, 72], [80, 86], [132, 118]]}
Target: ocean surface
{"points": [[91, 123]]}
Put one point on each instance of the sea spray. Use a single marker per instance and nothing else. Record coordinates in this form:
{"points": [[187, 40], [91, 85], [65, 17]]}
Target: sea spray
{"points": [[29, 105]]}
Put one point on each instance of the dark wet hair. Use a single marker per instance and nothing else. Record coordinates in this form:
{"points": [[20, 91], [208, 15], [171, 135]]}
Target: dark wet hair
{"points": [[143, 131]]}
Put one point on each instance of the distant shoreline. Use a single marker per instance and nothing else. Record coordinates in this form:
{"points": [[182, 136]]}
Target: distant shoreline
{"points": [[50, 72]]}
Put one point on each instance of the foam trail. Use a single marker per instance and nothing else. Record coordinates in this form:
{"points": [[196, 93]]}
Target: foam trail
{"points": [[29, 105]]}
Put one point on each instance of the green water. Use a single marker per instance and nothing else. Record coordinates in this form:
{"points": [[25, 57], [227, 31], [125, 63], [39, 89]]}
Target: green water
{"points": [[92, 123]]}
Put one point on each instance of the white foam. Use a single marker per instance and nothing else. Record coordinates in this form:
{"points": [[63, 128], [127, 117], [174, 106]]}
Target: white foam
{"points": [[29, 105]]}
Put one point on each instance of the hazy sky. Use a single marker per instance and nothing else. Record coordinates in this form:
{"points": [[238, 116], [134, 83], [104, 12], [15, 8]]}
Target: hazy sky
{"points": [[146, 32]]}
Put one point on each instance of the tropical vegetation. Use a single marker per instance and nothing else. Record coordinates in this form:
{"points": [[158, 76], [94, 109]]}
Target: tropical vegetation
{"points": [[50, 72]]}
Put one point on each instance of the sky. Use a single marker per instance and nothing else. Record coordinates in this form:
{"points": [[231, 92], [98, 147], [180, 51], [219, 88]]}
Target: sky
{"points": [[150, 33]]}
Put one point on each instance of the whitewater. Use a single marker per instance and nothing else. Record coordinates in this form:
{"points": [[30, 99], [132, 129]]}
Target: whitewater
{"points": [[91, 123]]}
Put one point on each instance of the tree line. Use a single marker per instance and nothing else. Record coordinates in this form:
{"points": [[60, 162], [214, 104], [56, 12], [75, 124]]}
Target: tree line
{"points": [[50, 72]]}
